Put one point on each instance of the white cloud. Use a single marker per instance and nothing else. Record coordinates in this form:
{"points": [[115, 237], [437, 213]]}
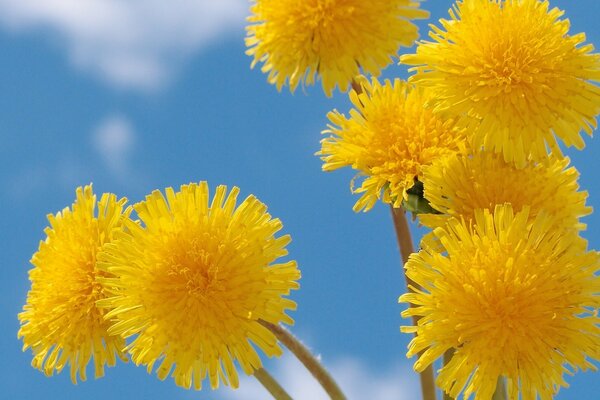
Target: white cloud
{"points": [[114, 140], [134, 44], [357, 380]]}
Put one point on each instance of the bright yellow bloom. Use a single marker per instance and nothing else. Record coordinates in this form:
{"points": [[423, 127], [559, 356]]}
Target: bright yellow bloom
{"points": [[335, 39], [515, 298], [193, 282], [60, 321], [459, 185], [513, 74], [388, 138]]}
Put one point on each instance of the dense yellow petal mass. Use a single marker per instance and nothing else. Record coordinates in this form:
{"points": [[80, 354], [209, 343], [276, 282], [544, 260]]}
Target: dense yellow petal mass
{"points": [[514, 297], [458, 185], [194, 279], [334, 39], [513, 74], [388, 137], [60, 322]]}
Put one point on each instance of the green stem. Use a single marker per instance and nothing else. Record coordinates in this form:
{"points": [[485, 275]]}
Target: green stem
{"points": [[310, 362], [501, 393], [405, 244], [271, 384]]}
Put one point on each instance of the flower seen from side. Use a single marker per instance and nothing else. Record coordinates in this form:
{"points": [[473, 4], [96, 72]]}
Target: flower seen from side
{"points": [[296, 41], [515, 299], [458, 185], [387, 138], [193, 281], [512, 73], [60, 321]]}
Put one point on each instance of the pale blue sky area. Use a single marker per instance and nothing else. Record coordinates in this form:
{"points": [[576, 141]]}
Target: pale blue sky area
{"points": [[134, 98]]}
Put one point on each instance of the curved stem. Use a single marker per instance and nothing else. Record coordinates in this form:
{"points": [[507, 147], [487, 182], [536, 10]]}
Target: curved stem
{"points": [[406, 249], [271, 384], [306, 358]]}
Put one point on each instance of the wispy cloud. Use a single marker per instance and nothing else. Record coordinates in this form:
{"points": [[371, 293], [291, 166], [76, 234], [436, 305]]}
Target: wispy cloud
{"points": [[358, 381], [136, 44], [114, 139]]}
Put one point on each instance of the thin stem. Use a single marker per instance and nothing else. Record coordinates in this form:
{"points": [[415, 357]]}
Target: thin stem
{"points": [[406, 249], [447, 357], [501, 393], [306, 358], [403, 234], [271, 384]]}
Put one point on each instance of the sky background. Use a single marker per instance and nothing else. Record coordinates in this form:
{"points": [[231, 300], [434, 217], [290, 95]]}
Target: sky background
{"points": [[135, 96]]}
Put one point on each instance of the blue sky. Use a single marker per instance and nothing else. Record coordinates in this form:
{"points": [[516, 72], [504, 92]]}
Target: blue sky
{"points": [[135, 97]]}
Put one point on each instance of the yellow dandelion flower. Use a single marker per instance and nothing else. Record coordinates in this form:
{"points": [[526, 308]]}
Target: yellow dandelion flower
{"points": [[335, 39], [387, 138], [458, 185], [515, 298], [192, 283], [513, 74], [60, 321]]}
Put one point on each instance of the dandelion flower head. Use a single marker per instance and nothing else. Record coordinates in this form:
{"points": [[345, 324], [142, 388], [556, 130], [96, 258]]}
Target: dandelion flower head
{"points": [[60, 321], [334, 39], [388, 137], [458, 185], [193, 281], [513, 74], [514, 298]]}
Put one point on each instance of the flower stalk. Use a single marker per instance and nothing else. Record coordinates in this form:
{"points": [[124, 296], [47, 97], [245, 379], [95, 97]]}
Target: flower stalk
{"points": [[307, 359], [271, 384], [406, 249]]}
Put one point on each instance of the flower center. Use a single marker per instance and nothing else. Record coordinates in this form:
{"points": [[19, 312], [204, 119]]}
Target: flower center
{"points": [[194, 271]]}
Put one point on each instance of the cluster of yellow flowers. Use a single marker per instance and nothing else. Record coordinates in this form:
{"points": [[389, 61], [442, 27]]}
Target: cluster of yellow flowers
{"points": [[192, 281], [504, 281]]}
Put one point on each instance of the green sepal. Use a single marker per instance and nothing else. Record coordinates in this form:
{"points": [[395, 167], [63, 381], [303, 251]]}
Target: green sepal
{"points": [[415, 202]]}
